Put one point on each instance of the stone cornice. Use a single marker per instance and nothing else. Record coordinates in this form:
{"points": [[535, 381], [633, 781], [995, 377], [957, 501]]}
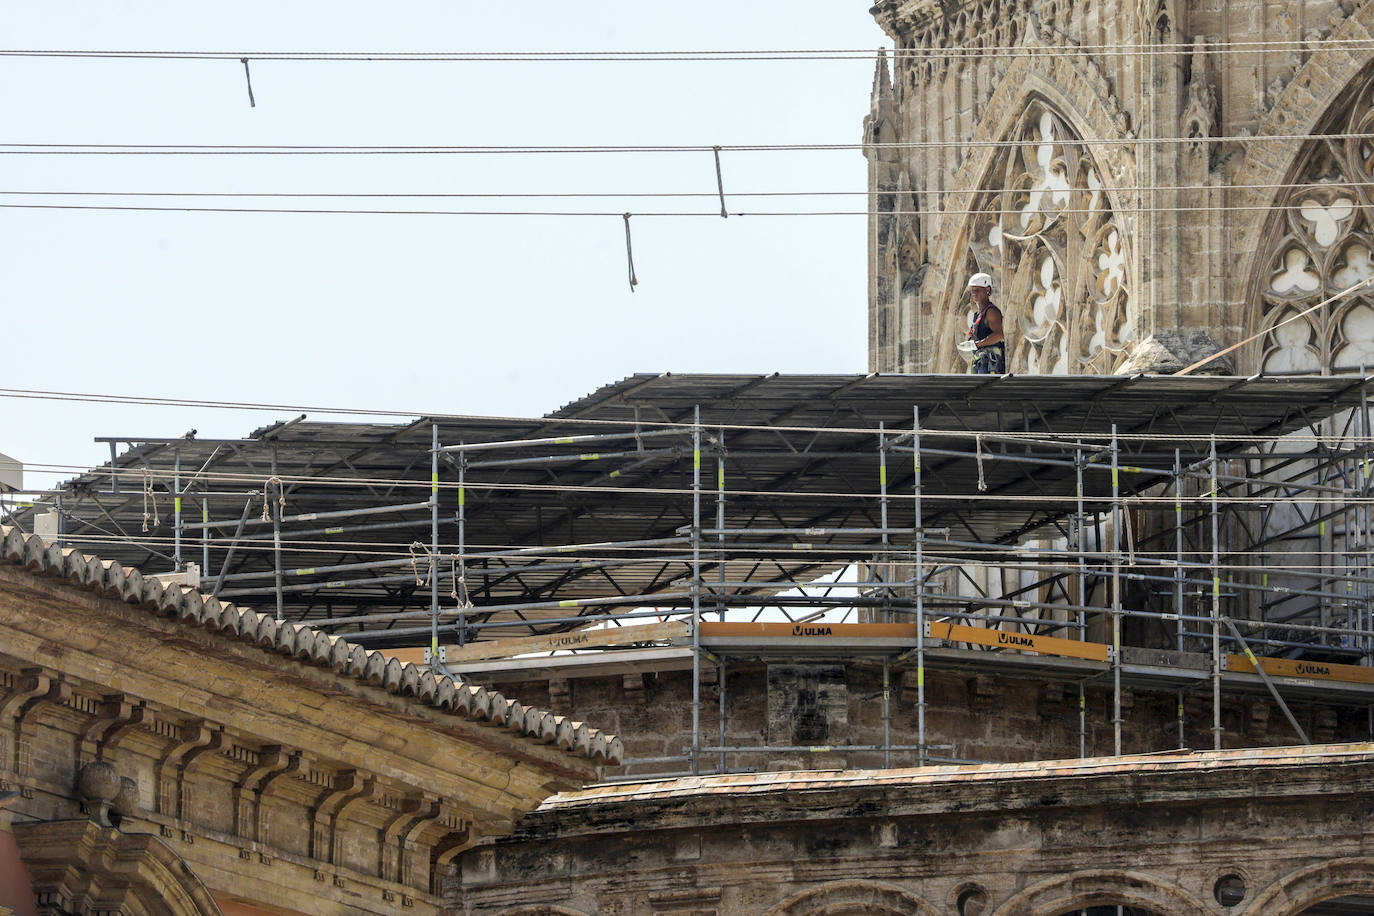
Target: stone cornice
{"points": [[1201, 778], [424, 691]]}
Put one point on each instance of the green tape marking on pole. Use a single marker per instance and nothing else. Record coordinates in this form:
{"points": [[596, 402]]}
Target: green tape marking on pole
{"points": [[821, 749], [462, 496], [303, 572], [1131, 469], [565, 440], [568, 602], [333, 531], [1264, 580], [920, 675], [177, 503], [590, 456], [614, 475], [1216, 587], [434, 647], [696, 459], [337, 583], [434, 481], [882, 475], [1116, 477], [1321, 529], [720, 478], [1082, 703]]}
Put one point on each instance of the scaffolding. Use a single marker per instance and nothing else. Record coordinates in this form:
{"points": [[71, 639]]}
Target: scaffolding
{"points": [[1183, 534]]}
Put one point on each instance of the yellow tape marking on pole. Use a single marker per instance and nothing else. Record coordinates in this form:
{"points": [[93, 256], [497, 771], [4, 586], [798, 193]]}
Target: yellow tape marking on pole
{"points": [[696, 459], [333, 531], [569, 602], [882, 475], [177, 503], [590, 456]]}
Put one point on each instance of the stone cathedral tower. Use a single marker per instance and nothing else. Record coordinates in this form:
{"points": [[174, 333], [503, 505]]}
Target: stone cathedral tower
{"points": [[1147, 181]]}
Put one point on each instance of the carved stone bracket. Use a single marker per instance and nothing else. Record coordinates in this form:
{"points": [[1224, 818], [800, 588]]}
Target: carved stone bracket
{"points": [[196, 738]]}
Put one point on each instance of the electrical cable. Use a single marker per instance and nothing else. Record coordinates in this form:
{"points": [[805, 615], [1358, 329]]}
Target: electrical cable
{"points": [[974, 52]]}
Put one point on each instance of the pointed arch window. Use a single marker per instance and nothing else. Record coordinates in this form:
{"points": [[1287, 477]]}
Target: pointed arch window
{"points": [[1321, 242], [1045, 229]]}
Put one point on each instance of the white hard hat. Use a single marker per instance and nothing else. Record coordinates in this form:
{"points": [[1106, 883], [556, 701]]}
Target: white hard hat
{"points": [[980, 280]]}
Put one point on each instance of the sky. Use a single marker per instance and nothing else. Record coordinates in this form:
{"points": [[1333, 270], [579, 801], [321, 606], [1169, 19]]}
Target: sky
{"points": [[494, 315]]}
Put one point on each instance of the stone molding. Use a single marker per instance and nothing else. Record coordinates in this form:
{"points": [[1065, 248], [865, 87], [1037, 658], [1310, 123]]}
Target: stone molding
{"points": [[1152, 831], [79, 867]]}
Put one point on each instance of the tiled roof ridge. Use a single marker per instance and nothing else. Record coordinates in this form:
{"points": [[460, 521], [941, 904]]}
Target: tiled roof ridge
{"points": [[807, 780], [307, 645]]}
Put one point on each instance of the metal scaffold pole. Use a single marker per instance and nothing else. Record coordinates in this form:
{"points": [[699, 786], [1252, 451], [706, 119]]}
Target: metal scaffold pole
{"points": [[918, 578], [1178, 583], [696, 590], [1116, 594], [176, 511], [436, 653], [1216, 598], [1079, 547], [275, 512], [720, 525], [460, 587], [885, 565]]}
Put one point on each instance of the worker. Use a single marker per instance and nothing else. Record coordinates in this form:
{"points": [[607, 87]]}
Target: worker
{"points": [[990, 357]]}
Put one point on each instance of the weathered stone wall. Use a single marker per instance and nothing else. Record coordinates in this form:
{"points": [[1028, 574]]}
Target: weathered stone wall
{"points": [[160, 749], [1120, 168], [983, 716], [1282, 830]]}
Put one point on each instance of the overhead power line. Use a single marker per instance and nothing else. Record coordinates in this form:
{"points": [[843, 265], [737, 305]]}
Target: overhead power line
{"points": [[700, 55], [211, 149]]}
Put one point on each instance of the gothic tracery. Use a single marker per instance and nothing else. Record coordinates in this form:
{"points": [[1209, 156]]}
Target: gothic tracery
{"points": [[1044, 227], [1320, 245]]}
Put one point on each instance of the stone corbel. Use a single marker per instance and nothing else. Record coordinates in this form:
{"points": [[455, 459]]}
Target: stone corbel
{"points": [[196, 738], [295, 763], [247, 791], [369, 790], [397, 833], [117, 713], [348, 786], [34, 686], [445, 850]]}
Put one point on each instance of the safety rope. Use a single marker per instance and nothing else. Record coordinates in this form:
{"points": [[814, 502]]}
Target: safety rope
{"points": [[460, 579], [267, 498], [414, 561], [149, 497], [978, 449]]}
